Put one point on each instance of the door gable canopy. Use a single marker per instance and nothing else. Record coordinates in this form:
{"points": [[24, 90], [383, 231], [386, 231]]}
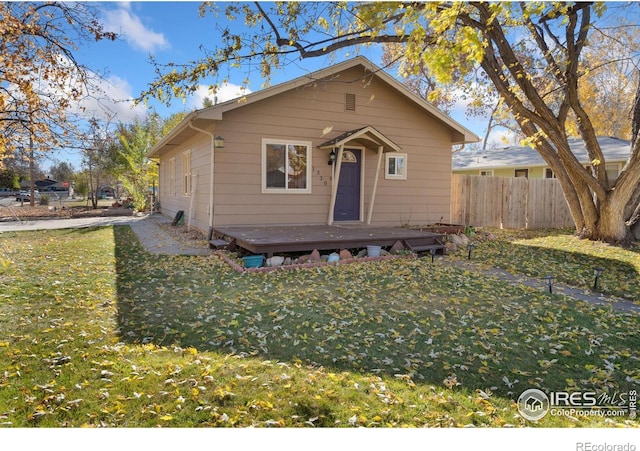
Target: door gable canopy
{"points": [[366, 136]]}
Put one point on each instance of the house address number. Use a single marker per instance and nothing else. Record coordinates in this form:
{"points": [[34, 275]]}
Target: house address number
{"points": [[323, 178]]}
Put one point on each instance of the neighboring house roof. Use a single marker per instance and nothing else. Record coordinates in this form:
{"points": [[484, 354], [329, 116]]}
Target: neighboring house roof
{"points": [[182, 130], [614, 150]]}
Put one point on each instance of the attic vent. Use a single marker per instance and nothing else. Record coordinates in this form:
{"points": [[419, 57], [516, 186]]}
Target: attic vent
{"points": [[350, 102]]}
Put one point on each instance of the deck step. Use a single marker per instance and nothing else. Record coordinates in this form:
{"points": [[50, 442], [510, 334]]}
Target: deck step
{"points": [[429, 247], [218, 244], [432, 246]]}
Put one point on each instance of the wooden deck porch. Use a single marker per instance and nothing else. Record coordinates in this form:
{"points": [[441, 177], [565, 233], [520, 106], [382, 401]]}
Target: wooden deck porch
{"points": [[276, 239]]}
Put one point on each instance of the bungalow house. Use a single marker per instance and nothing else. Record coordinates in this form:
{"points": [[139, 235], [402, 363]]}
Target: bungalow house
{"points": [[526, 162], [347, 144]]}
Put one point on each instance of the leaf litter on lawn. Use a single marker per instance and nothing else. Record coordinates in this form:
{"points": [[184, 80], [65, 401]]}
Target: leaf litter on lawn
{"points": [[144, 340], [569, 259]]}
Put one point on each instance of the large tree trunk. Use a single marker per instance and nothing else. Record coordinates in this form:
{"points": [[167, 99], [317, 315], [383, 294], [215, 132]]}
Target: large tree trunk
{"points": [[611, 226], [599, 210]]}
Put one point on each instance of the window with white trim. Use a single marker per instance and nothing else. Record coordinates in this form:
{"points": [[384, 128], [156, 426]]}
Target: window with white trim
{"points": [[395, 166], [286, 166], [486, 172], [172, 177], [186, 173]]}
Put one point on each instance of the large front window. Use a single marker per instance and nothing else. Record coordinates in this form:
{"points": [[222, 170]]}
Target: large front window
{"points": [[286, 166]]}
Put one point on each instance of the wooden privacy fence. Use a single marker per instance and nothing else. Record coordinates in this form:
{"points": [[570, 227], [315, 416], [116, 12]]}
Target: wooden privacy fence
{"points": [[508, 202]]}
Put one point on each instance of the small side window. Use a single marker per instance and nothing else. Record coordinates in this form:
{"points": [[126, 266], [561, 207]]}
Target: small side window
{"points": [[396, 166], [186, 173]]}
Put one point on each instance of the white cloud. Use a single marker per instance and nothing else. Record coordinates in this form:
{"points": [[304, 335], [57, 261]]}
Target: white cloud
{"points": [[500, 138], [108, 98], [227, 91], [114, 102], [133, 31]]}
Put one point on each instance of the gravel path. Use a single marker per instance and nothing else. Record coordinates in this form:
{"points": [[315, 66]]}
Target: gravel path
{"points": [[159, 241]]}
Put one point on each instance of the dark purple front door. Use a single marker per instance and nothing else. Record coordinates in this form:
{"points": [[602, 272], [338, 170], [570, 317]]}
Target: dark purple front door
{"points": [[348, 198]]}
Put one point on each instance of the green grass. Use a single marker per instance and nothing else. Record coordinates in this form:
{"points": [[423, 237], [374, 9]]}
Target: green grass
{"points": [[568, 259], [98, 332]]}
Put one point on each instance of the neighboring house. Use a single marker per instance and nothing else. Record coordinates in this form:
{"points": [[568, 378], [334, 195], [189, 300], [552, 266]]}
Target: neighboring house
{"points": [[527, 162], [346, 144]]}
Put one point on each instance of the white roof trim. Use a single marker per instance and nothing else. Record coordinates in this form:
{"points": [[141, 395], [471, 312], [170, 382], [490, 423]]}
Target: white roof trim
{"points": [[368, 132]]}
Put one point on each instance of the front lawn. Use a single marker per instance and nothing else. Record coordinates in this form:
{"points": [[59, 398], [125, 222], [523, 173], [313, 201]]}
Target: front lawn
{"points": [[98, 332], [569, 260]]}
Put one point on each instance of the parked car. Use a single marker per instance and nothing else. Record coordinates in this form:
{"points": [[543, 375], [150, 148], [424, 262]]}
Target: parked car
{"points": [[25, 196], [7, 192]]}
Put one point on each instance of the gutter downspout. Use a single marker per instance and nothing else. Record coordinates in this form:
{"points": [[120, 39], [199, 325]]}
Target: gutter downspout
{"points": [[458, 150], [211, 181]]}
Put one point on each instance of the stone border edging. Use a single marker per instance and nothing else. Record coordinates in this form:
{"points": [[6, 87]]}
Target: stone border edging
{"points": [[240, 269]]}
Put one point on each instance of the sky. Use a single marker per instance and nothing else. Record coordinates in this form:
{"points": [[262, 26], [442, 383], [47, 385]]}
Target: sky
{"points": [[173, 31]]}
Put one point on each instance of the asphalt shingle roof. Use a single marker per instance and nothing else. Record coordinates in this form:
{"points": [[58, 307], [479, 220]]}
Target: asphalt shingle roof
{"points": [[614, 149]]}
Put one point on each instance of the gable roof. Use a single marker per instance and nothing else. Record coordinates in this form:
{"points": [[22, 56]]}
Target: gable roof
{"points": [[614, 150], [364, 135], [216, 112]]}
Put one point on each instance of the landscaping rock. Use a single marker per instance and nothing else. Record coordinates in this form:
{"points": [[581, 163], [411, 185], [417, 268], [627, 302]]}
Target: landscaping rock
{"points": [[276, 261], [287, 261], [315, 256], [459, 240], [362, 253], [345, 254]]}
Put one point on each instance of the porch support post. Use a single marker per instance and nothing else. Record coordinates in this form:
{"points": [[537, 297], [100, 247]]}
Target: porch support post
{"points": [[375, 184], [334, 184]]}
